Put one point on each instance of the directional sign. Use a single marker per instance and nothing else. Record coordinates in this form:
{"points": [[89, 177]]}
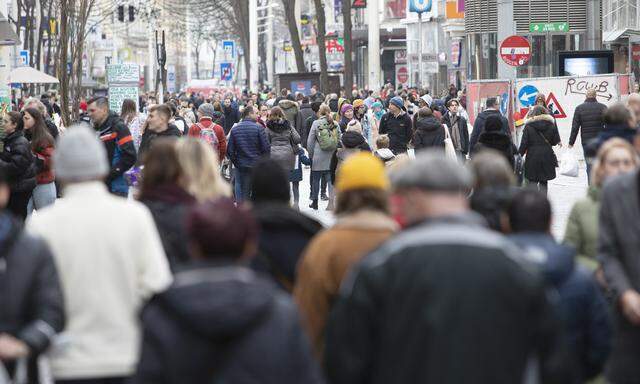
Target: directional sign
{"points": [[549, 27], [228, 46], [24, 58], [226, 72], [515, 51], [527, 95], [420, 6]]}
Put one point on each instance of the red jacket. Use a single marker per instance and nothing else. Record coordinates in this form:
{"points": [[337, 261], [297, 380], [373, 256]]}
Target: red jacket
{"points": [[206, 122], [45, 171]]}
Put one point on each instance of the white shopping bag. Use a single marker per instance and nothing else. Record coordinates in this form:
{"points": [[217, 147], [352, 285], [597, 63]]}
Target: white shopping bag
{"points": [[569, 164], [449, 149]]}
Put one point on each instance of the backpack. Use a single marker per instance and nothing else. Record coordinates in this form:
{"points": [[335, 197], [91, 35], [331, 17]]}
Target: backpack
{"points": [[327, 136], [209, 135]]}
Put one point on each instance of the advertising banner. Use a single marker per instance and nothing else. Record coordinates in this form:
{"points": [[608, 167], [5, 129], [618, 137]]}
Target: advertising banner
{"points": [[118, 94], [479, 91]]}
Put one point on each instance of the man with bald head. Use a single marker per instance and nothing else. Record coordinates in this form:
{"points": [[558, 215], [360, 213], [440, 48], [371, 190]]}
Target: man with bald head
{"points": [[588, 118]]}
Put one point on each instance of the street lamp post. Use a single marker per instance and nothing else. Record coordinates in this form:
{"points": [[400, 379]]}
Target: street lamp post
{"points": [[253, 45]]}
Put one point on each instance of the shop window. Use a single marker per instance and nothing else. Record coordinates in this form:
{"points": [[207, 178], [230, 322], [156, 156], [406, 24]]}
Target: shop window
{"points": [[483, 54]]}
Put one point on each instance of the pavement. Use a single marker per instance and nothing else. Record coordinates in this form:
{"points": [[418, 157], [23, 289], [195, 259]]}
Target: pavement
{"points": [[563, 192]]}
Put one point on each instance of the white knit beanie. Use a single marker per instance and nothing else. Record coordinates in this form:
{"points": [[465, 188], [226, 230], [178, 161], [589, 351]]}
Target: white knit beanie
{"points": [[80, 156]]}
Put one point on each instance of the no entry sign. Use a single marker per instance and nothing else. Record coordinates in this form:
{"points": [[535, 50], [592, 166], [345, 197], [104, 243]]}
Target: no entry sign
{"points": [[515, 51]]}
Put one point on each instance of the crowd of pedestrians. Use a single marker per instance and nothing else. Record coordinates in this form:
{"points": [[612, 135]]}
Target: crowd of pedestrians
{"points": [[178, 252]]}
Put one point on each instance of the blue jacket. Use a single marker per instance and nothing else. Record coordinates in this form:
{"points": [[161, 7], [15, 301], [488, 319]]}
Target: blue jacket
{"points": [[247, 143], [296, 173], [582, 306]]}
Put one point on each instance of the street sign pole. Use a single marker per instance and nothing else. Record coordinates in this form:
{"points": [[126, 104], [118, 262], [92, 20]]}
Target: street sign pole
{"points": [[420, 50]]}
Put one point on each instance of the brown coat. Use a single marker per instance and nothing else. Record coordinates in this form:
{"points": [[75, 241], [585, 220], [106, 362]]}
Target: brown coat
{"points": [[328, 259]]}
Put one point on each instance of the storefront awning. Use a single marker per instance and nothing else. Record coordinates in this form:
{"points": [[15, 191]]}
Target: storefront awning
{"points": [[615, 35], [7, 34]]}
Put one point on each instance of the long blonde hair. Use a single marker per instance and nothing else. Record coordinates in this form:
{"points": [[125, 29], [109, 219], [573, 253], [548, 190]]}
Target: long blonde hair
{"points": [[597, 172], [201, 170]]}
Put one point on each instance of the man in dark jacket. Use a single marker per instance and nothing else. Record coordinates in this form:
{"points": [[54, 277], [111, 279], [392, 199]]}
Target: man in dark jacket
{"points": [[397, 124], [618, 253], [582, 307], [117, 139], [478, 126], [588, 119], [457, 128], [231, 114], [445, 301], [247, 143], [157, 126], [30, 296], [306, 112], [494, 138], [246, 331]]}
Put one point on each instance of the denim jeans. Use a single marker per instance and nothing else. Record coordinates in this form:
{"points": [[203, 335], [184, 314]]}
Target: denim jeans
{"points": [[316, 176], [43, 195], [587, 161], [242, 184]]}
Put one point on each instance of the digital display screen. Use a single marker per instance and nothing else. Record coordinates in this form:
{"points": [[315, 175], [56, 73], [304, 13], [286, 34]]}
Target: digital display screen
{"points": [[585, 63]]}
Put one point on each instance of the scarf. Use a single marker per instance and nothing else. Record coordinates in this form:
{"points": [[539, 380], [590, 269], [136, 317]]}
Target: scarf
{"points": [[455, 133]]}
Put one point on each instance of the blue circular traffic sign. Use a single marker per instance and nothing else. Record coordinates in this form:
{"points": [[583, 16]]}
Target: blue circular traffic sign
{"points": [[527, 95]]}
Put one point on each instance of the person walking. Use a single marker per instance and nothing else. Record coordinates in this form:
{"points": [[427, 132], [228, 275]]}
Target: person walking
{"points": [[110, 261], [200, 169], [493, 108], [360, 114], [290, 110], [283, 139], [397, 125], [18, 162], [117, 140], [42, 146], [245, 331], [363, 224], [539, 137], [457, 125], [133, 119], [32, 308], [429, 131], [346, 115], [494, 138], [444, 301], [205, 127], [582, 307], [247, 143], [321, 144], [615, 157], [375, 116], [305, 113], [157, 126], [588, 120], [231, 114]]}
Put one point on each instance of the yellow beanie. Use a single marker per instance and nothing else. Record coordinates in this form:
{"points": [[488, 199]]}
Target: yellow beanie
{"points": [[361, 171], [357, 103]]}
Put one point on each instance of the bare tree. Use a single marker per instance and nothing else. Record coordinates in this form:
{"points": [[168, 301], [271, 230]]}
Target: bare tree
{"points": [[322, 50], [292, 24], [348, 65]]}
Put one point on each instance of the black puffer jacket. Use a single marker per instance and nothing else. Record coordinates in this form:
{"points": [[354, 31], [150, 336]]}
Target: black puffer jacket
{"points": [[223, 324], [31, 301], [18, 162], [539, 136], [399, 130], [148, 137], [588, 118], [429, 133], [478, 126], [282, 138], [498, 141]]}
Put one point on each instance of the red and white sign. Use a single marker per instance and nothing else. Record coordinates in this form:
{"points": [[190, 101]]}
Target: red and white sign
{"points": [[515, 51], [554, 106], [402, 74]]}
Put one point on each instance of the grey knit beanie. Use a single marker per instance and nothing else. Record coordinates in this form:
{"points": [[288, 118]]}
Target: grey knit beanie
{"points": [[206, 109], [80, 156]]}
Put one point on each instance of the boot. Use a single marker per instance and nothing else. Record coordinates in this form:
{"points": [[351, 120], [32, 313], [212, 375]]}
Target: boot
{"points": [[314, 204], [324, 197]]}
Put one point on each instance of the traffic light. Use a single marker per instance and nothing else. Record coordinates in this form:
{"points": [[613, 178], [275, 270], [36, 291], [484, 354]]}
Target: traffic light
{"points": [[121, 13], [131, 11]]}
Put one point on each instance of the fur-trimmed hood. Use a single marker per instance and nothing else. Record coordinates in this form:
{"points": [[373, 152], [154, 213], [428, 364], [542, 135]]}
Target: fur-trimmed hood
{"points": [[548, 118]]}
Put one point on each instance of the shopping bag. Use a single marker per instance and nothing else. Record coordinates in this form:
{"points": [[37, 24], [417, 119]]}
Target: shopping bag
{"points": [[569, 164], [449, 149]]}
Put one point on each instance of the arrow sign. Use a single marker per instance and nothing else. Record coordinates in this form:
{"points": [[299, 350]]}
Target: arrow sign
{"points": [[527, 95]]}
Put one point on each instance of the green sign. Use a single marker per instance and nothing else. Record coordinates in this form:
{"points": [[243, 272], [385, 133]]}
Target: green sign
{"points": [[549, 27]]}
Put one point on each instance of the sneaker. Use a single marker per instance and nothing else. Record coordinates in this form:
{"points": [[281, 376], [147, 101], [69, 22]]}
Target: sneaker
{"points": [[324, 198]]}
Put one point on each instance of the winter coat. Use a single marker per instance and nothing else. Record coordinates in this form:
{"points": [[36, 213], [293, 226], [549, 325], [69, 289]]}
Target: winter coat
{"points": [[304, 135], [443, 289], [169, 205], [290, 109], [207, 123], [110, 260], [245, 332], [320, 159], [583, 309], [588, 118], [463, 129], [478, 126], [301, 120], [296, 174], [284, 142], [327, 261], [351, 143], [429, 133], [284, 234], [44, 166], [18, 162], [610, 131], [149, 136], [399, 130], [121, 152], [582, 228], [492, 203], [247, 143], [618, 250], [231, 116], [52, 128], [31, 296], [497, 141], [538, 138]]}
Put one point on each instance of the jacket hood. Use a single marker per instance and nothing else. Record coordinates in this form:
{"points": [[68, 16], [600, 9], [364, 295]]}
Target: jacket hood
{"points": [[555, 261], [541, 123], [219, 302], [495, 140], [428, 123], [351, 139], [287, 104], [278, 126]]}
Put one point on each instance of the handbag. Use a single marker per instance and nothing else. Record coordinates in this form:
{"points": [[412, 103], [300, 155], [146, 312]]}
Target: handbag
{"points": [[555, 158], [449, 149]]}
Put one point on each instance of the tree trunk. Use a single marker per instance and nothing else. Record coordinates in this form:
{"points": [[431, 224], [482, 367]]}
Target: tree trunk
{"points": [[348, 65], [322, 48], [61, 62], [197, 59], [290, 14], [242, 24]]}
